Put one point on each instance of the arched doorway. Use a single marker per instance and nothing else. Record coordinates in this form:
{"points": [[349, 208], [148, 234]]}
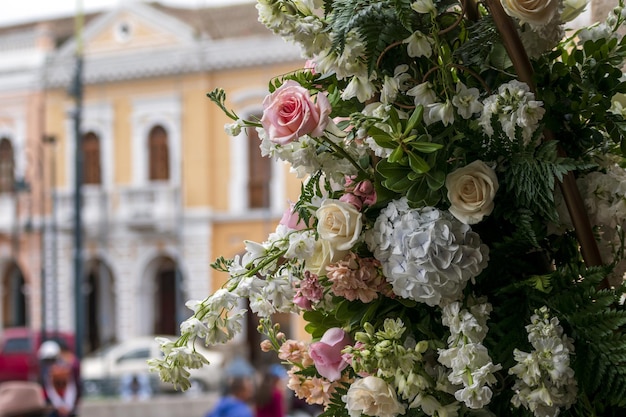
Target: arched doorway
{"points": [[100, 322], [13, 298], [168, 297]]}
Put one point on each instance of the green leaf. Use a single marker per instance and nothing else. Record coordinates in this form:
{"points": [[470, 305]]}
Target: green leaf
{"points": [[417, 163], [426, 147], [396, 155], [415, 118], [382, 138], [436, 179]]}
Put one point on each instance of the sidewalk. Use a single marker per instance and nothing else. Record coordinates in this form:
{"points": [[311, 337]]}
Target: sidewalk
{"points": [[159, 406]]}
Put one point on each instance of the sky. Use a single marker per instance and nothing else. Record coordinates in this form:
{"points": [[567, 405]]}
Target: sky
{"points": [[19, 11]]}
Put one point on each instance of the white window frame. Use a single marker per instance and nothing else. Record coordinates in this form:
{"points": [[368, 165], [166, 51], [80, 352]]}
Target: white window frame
{"points": [[147, 113]]}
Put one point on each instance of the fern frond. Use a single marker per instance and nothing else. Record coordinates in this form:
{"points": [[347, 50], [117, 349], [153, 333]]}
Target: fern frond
{"points": [[597, 323], [531, 179]]}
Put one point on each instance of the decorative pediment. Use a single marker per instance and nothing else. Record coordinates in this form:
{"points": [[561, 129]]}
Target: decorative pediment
{"points": [[130, 28]]}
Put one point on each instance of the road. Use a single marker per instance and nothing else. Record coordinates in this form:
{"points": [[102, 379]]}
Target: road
{"points": [[158, 406]]}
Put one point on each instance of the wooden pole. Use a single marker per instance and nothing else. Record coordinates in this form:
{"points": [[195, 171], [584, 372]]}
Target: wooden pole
{"points": [[571, 194]]}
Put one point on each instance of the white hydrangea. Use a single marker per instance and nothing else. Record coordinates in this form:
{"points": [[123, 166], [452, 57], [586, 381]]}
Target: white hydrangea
{"points": [[426, 254], [545, 381]]}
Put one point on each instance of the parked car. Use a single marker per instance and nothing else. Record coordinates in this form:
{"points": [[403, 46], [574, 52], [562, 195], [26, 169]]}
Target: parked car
{"points": [[103, 370], [18, 352]]}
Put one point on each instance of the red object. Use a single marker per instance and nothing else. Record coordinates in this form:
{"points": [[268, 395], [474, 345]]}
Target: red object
{"points": [[18, 352]]}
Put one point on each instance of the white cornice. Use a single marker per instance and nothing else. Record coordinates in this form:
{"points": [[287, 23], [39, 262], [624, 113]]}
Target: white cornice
{"points": [[201, 56]]}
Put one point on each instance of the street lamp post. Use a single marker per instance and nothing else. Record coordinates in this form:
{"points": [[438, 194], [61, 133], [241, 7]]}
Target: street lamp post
{"points": [[77, 93]]}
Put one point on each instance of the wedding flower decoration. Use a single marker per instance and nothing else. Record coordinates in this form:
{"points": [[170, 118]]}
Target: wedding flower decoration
{"points": [[458, 245]]}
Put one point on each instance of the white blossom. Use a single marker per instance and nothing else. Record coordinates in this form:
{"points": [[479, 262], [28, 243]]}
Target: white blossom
{"points": [[466, 101], [423, 6], [545, 382], [419, 45]]}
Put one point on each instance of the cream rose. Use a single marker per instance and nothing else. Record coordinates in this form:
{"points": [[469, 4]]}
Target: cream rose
{"points": [[533, 12], [471, 190], [323, 255], [372, 396], [339, 223]]}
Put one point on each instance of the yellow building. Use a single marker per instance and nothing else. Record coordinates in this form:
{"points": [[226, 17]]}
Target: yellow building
{"points": [[164, 190]]}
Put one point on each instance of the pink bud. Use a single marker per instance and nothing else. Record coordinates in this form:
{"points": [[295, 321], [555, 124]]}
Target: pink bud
{"points": [[352, 199], [291, 219]]}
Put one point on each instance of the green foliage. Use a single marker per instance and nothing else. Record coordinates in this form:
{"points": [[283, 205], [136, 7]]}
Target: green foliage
{"points": [[596, 321], [222, 264], [481, 39], [378, 22], [218, 96], [531, 178], [308, 191]]}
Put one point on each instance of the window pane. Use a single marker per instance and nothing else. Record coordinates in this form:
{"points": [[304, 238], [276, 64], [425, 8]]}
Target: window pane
{"points": [[91, 159], [6, 166], [158, 154], [260, 173]]}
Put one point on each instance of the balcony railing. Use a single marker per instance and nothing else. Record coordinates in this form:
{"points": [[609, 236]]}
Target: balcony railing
{"points": [[152, 206]]}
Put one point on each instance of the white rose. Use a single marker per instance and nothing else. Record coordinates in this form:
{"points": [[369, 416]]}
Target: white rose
{"points": [[533, 12], [323, 255], [471, 190], [372, 396], [339, 223]]}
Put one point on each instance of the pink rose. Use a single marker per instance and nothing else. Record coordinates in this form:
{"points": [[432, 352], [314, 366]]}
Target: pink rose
{"points": [[292, 219], [326, 353], [289, 112], [352, 199]]}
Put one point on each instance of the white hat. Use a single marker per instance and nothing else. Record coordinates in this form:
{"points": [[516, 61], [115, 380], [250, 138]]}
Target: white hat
{"points": [[49, 350]]}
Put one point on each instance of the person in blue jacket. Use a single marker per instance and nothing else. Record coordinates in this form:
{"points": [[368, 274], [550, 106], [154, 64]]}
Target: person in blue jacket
{"points": [[240, 390]]}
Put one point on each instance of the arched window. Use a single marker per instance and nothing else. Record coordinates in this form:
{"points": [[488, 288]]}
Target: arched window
{"points": [[158, 154], [259, 173], [91, 159], [7, 164]]}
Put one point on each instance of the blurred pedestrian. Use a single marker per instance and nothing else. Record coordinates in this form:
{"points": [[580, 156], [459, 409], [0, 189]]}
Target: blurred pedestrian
{"points": [[48, 353], [135, 387], [60, 378], [270, 396], [236, 401], [22, 399]]}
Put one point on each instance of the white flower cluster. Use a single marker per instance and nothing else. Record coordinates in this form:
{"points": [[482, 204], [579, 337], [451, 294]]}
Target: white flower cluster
{"points": [[216, 319], [304, 159], [515, 108], [469, 361], [275, 291], [546, 382], [427, 255]]}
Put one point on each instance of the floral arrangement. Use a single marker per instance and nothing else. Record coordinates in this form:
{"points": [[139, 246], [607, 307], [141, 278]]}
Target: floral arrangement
{"points": [[458, 245]]}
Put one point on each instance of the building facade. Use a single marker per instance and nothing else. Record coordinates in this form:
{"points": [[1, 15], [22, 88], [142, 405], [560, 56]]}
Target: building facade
{"points": [[163, 190]]}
